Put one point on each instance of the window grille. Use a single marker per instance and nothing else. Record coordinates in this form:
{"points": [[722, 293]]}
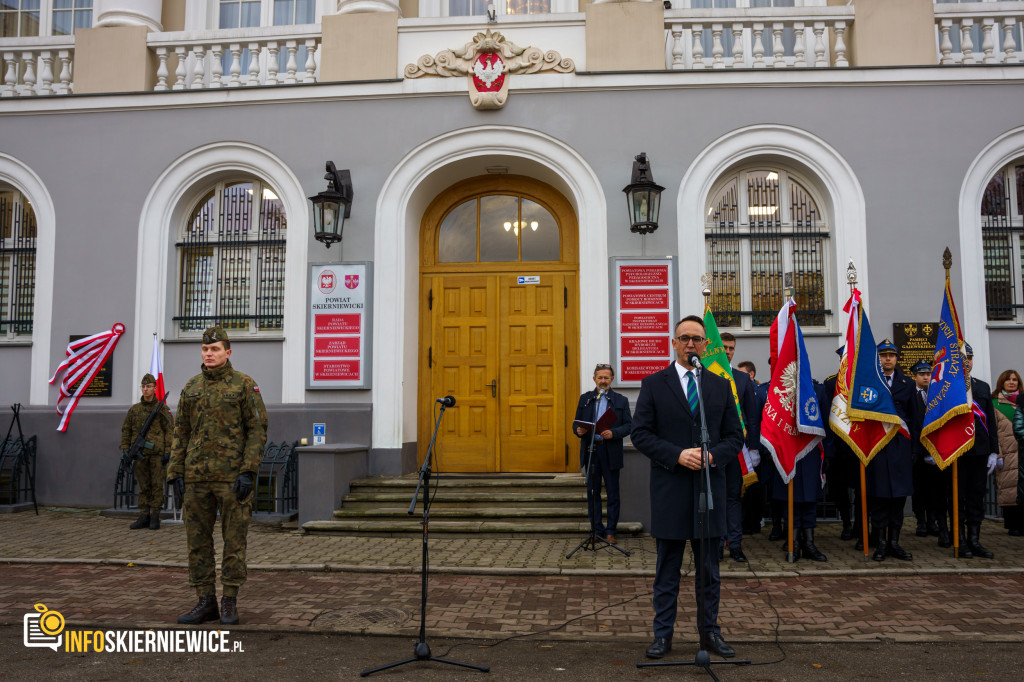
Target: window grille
{"points": [[17, 265], [753, 237], [1002, 223], [231, 261]]}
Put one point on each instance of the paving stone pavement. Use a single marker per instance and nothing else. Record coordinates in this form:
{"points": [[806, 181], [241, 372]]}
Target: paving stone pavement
{"points": [[96, 571]]}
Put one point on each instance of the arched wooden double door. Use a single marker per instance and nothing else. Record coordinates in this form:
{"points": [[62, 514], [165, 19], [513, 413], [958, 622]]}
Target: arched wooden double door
{"points": [[499, 326]]}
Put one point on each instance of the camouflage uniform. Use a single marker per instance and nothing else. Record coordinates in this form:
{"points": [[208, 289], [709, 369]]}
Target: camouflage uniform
{"points": [[150, 470], [220, 432]]}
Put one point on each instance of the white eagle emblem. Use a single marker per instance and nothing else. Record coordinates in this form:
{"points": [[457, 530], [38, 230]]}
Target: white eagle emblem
{"points": [[488, 71], [786, 393]]}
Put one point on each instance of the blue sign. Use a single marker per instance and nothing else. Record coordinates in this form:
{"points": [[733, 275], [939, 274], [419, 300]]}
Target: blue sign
{"points": [[319, 429]]}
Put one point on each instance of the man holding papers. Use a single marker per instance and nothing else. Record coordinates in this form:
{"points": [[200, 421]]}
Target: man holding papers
{"points": [[604, 414]]}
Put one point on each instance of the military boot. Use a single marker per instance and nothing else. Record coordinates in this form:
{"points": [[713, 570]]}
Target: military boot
{"points": [[847, 532], [973, 531], [944, 539], [141, 522], [776, 532], [859, 534], [229, 610], [932, 525], [807, 547], [154, 520], [880, 546], [964, 551], [895, 550], [203, 612], [922, 527]]}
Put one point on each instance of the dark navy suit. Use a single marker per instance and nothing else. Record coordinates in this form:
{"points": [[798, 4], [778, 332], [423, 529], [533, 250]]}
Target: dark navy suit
{"points": [[663, 426], [890, 475], [972, 466], [733, 475], [607, 460]]}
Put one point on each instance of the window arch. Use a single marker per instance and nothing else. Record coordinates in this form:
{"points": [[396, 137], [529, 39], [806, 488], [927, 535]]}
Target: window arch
{"points": [[761, 223], [498, 227], [231, 260], [17, 264], [1002, 224]]}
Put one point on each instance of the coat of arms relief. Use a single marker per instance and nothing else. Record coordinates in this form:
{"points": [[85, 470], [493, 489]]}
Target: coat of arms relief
{"points": [[487, 62]]}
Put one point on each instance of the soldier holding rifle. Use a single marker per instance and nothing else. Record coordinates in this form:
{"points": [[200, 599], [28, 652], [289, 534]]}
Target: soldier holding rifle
{"points": [[146, 437]]}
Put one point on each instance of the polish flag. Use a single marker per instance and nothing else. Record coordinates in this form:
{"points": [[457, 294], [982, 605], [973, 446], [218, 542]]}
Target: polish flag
{"points": [[156, 368]]}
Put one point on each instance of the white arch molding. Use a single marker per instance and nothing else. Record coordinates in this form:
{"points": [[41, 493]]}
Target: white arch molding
{"points": [[396, 258], [974, 318], [156, 229], [842, 189], [19, 175]]}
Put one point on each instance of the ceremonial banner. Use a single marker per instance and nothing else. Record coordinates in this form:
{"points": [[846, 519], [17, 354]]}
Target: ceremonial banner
{"points": [[716, 361], [84, 359], [948, 420], [156, 368], [791, 424], [863, 413]]}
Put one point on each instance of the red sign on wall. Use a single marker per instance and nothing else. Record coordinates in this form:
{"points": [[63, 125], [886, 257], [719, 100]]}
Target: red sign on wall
{"points": [[643, 298], [643, 276], [336, 346], [337, 324], [644, 346], [339, 347], [335, 370], [644, 323], [635, 370]]}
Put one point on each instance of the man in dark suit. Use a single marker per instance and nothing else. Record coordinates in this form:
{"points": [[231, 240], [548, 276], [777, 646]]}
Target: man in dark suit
{"points": [[889, 476], [606, 461], [975, 465], [933, 484], [733, 474], [667, 429]]}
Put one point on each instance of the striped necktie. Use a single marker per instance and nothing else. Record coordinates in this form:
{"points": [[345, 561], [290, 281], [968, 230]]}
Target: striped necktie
{"points": [[691, 392]]}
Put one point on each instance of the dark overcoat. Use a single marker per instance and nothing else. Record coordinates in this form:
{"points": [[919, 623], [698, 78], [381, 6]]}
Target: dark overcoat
{"points": [[586, 410], [890, 473], [663, 426]]}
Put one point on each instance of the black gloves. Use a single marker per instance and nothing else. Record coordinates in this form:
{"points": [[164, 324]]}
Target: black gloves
{"points": [[243, 486], [178, 488]]}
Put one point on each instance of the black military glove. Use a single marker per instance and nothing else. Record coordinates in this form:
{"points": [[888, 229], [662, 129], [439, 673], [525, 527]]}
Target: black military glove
{"points": [[178, 488], [165, 458], [243, 486]]}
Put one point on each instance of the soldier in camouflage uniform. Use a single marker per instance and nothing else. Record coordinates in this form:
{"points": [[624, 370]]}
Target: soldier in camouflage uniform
{"points": [[150, 471], [219, 437]]}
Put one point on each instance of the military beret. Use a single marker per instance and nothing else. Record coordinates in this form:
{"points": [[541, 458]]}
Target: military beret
{"points": [[148, 379], [968, 351], [887, 347], [215, 334], [920, 366]]}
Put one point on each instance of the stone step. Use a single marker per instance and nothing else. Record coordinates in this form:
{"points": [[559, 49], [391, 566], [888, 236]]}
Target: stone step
{"points": [[536, 513], [569, 498], [413, 526], [470, 484]]}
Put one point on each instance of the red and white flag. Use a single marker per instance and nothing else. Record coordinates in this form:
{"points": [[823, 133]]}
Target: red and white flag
{"points": [[85, 357], [156, 368]]}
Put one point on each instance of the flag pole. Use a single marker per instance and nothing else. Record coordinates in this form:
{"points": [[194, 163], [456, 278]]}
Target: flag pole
{"points": [[790, 555], [851, 278], [947, 263]]}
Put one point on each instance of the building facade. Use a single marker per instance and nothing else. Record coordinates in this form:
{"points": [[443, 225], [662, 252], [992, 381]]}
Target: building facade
{"points": [[156, 160]]}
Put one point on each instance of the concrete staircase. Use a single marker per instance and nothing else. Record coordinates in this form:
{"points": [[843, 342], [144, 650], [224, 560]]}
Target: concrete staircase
{"points": [[466, 504]]}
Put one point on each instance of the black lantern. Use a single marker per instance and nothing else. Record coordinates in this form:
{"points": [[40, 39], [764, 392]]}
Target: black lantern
{"points": [[643, 197], [332, 206]]}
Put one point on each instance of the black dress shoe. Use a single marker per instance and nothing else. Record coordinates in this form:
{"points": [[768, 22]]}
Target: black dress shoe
{"points": [[775, 534], [718, 646], [847, 532], [659, 647], [738, 555]]}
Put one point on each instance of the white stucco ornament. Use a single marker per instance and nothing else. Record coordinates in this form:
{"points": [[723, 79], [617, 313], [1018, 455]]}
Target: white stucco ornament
{"points": [[487, 63]]}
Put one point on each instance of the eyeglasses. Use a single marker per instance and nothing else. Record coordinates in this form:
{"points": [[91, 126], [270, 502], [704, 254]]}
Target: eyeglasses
{"points": [[684, 339]]}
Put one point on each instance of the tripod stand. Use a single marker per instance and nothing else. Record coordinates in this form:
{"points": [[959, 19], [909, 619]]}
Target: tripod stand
{"points": [[421, 650], [705, 503], [593, 541]]}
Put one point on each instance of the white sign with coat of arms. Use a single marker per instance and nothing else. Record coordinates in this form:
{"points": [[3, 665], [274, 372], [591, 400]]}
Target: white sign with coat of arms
{"points": [[339, 326]]}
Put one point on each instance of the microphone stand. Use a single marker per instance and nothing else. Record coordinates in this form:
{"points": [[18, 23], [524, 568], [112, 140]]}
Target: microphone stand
{"points": [[421, 650], [593, 541], [705, 503]]}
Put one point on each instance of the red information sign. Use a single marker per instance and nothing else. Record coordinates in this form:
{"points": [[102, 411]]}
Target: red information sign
{"points": [[644, 323], [338, 324], [335, 370], [643, 298], [335, 346], [643, 275], [635, 370], [644, 346]]}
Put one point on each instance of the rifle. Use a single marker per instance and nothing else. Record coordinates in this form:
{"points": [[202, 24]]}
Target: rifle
{"points": [[140, 444]]}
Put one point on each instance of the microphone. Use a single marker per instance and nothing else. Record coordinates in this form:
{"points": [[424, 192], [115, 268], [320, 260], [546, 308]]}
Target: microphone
{"points": [[447, 401], [694, 360]]}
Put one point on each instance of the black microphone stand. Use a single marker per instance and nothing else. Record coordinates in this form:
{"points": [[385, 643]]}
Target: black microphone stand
{"points": [[421, 650], [705, 503], [594, 541]]}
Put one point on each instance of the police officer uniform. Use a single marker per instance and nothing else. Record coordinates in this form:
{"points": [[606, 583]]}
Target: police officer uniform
{"points": [[889, 476], [843, 472], [150, 471], [219, 437], [934, 486]]}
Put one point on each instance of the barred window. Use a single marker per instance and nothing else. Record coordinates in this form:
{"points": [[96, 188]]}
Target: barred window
{"points": [[759, 224], [17, 264], [231, 261], [1002, 223]]}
